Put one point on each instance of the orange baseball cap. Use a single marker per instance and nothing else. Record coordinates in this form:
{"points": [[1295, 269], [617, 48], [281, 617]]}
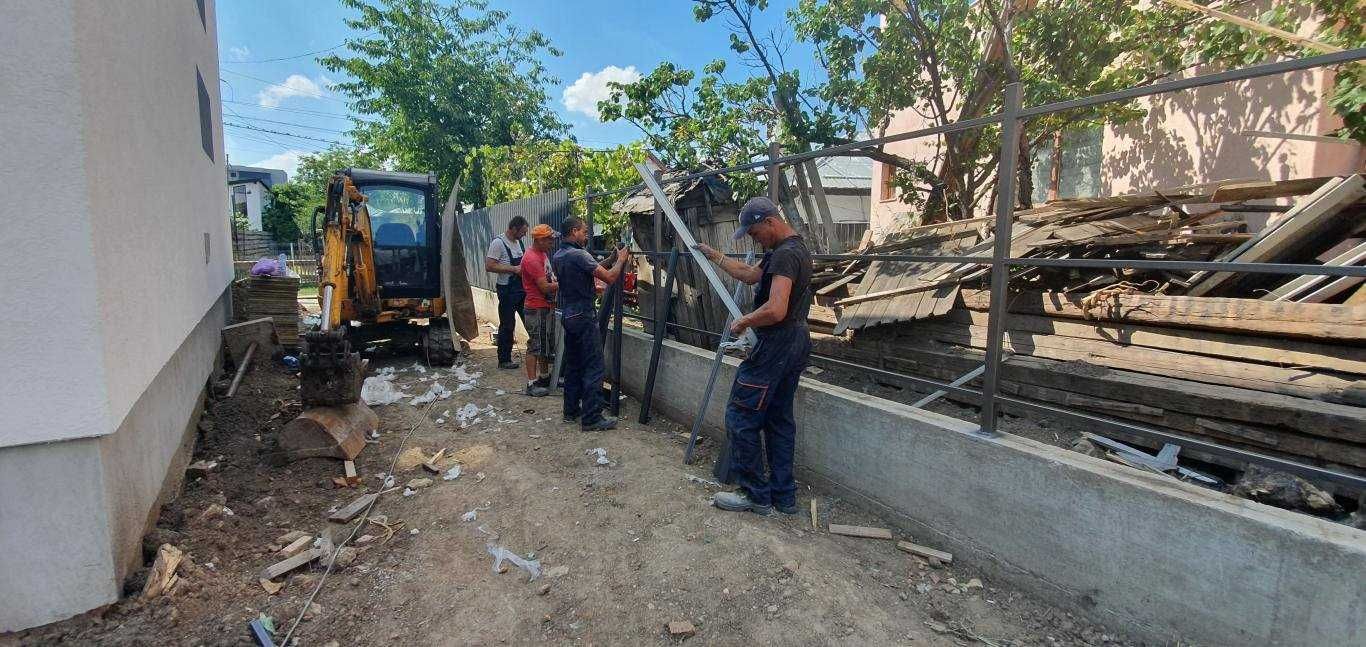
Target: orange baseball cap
{"points": [[544, 231]]}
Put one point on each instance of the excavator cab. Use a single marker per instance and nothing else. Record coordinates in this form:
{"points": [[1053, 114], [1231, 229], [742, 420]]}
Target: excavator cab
{"points": [[405, 225]]}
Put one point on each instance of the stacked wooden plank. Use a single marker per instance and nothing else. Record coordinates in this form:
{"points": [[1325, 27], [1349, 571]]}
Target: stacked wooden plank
{"points": [[1272, 363], [276, 297]]}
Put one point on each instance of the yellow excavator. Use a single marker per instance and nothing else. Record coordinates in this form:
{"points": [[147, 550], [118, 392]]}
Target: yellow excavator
{"points": [[391, 272]]}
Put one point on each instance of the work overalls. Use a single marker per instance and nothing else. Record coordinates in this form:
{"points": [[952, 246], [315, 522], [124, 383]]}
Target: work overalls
{"points": [[511, 298], [582, 365], [759, 414]]}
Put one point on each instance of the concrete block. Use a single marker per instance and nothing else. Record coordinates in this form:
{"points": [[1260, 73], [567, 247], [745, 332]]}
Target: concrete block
{"points": [[1158, 557]]}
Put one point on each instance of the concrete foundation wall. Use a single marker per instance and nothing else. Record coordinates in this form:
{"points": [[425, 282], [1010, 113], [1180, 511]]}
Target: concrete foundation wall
{"points": [[486, 307], [1157, 557], [72, 513]]}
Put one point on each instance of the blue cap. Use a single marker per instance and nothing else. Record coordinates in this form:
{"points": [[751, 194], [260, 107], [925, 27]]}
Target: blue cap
{"points": [[753, 213]]}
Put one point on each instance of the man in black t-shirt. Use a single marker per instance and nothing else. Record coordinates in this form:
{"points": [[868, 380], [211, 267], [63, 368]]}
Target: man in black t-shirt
{"points": [[766, 383]]}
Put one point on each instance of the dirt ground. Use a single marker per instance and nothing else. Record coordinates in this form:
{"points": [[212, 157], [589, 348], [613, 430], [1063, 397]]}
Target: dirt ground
{"points": [[624, 548]]}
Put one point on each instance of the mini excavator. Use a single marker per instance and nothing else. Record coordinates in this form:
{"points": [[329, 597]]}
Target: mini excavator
{"points": [[391, 272]]}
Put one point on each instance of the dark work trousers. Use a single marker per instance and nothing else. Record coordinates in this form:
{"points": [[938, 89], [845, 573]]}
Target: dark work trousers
{"points": [[760, 413], [510, 303], [582, 365]]}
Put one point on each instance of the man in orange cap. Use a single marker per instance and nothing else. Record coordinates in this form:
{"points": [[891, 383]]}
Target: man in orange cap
{"points": [[539, 282]]}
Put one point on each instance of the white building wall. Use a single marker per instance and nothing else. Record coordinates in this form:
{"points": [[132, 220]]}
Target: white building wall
{"points": [[112, 287]]}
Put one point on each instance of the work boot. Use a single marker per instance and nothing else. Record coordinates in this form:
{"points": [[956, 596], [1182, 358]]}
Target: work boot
{"points": [[787, 509], [536, 391], [739, 501], [603, 424], [509, 365], [570, 417]]}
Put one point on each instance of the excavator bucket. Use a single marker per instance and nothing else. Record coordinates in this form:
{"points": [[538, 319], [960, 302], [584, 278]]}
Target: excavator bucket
{"points": [[455, 285], [329, 432]]}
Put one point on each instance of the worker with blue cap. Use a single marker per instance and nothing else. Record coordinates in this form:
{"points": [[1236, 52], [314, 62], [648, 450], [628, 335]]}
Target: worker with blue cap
{"points": [[759, 412]]}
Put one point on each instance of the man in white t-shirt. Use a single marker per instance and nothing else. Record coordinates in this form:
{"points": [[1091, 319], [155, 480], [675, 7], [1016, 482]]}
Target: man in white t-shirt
{"points": [[504, 259]]}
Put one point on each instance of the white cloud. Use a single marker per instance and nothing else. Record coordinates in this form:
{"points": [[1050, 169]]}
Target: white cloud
{"points": [[287, 161], [583, 96], [297, 85], [239, 54]]}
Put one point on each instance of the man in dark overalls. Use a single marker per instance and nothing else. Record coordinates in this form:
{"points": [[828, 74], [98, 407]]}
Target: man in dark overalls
{"points": [[583, 366], [760, 409], [504, 259]]}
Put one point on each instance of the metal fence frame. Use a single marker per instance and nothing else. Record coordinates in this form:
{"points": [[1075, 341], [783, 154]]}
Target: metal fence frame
{"points": [[1011, 117]]}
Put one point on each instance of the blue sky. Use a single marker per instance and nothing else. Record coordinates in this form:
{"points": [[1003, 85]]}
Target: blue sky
{"points": [[601, 38]]}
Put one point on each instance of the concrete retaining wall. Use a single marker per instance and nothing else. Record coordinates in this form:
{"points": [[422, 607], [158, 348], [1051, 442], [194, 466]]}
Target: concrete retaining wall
{"points": [[486, 307], [1159, 558]]}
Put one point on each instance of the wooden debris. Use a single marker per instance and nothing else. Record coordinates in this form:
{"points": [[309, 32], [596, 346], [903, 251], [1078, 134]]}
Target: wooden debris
{"points": [[681, 629], [352, 509], [289, 537], [297, 546], [163, 574], [200, 469], [860, 531], [925, 551], [433, 464], [280, 568], [271, 587], [814, 524], [351, 477]]}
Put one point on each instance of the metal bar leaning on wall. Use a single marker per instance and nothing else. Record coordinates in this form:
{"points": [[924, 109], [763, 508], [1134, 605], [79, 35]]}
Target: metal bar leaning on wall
{"points": [[616, 343], [661, 329], [721, 472]]}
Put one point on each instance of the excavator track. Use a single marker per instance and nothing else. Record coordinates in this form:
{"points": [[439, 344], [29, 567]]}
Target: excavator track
{"points": [[437, 344]]}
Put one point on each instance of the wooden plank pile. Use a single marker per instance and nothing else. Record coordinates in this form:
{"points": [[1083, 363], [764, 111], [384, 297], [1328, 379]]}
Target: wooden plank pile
{"points": [[1271, 363], [276, 297]]}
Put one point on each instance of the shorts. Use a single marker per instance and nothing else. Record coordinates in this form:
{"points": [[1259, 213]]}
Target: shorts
{"points": [[540, 328]]}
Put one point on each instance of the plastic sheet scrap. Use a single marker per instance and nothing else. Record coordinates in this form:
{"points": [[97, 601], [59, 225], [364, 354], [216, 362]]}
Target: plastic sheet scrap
{"points": [[601, 454], [434, 392], [531, 566], [379, 390]]}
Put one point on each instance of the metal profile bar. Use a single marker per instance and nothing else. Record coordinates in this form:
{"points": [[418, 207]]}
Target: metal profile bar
{"points": [[661, 329], [1000, 271], [1194, 266], [972, 394], [682, 233], [1243, 74], [722, 469], [616, 343], [1311, 472]]}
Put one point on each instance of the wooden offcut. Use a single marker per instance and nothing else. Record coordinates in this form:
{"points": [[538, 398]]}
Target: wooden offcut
{"points": [[328, 432], [353, 508], [865, 532], [280, 568], [925, 551], [163, 574]]}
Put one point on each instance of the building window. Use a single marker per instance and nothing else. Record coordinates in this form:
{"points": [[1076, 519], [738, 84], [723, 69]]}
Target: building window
{"points": [[205, 115], [888, 189], [1076, 171], [203, 20]]}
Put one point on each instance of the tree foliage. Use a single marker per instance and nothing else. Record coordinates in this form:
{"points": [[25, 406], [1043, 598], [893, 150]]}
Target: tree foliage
{"points": [[532, 167], [435, 81], [287, 217], [946, 60]]}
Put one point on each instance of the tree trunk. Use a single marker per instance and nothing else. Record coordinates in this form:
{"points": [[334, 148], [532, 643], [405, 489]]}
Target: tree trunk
{"points": [[1024, 174]]}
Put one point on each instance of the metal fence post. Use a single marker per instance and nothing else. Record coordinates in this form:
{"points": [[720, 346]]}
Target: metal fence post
{"points": [[1000, 271], [587, 217], [774, 152]]}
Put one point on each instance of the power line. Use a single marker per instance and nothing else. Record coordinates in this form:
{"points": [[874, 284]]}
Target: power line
{"points": [[286, 123], [318, 113], [277, 85], [277, 132], [290, 58]]}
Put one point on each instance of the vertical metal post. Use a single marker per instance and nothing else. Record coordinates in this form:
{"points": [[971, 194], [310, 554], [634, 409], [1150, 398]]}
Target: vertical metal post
{"points": [[1000, 272], [774, 152], [588, 218], [655, 290], [661, 330], [616, 343]]}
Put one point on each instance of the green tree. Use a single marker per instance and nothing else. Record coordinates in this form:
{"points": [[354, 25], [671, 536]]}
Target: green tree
{"points": [[287, 217], [947, 60], [529, 168], [436, 81]]}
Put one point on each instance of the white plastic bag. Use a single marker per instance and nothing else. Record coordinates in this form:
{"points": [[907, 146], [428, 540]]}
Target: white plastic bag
{"points": [[531, 566], [380, 390]]}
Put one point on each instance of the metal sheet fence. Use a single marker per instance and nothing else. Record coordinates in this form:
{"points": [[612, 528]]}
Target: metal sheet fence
{"points": [[479, 227]]}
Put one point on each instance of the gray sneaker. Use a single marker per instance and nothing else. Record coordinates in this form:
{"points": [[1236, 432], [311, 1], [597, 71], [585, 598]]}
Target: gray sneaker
{"points": [[739, 501], [536, 391]]}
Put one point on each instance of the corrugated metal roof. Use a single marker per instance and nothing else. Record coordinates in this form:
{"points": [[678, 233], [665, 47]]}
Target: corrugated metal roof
{"points": [[642, 202]]}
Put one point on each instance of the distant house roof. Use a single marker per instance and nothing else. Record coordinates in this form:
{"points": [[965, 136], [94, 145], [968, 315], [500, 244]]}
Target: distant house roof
{"points": [[267, 176], [846, 173]]}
